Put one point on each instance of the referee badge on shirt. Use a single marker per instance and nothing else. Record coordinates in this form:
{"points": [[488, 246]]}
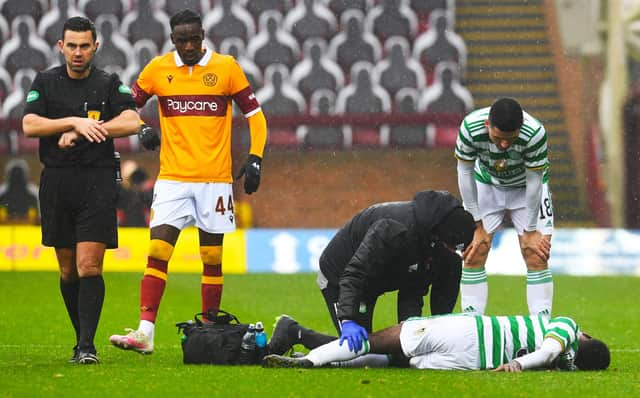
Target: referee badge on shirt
{"points": [[94, 111], [33, 96]]}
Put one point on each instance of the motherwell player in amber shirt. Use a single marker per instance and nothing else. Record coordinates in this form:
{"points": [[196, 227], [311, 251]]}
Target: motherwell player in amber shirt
{"points": [[194, 86], [195, 114]]}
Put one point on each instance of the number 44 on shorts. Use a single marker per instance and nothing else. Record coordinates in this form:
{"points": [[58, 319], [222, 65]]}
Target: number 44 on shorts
{"points": [[220, 207]]}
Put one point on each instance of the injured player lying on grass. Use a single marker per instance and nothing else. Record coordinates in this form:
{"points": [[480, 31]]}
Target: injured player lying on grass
{"points": [[458, 341]]}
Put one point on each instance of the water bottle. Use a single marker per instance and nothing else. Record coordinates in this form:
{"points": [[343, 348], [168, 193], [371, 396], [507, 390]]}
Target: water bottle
{"points": [[261, 341], [184, 327], [248, 347]]}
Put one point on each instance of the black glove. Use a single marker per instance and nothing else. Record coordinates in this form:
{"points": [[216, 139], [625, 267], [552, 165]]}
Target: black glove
{"points": [[148, 137], [251, 172]]}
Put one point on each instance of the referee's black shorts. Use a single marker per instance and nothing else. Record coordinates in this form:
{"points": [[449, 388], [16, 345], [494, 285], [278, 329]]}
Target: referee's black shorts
{"points": [[78, 204]]}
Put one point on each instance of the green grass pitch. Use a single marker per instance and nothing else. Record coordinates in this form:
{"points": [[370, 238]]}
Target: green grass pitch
{"points": [[36, 341]]}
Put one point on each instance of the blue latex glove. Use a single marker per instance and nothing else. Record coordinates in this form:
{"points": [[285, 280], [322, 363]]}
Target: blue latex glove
{"points": [[354, 334]]}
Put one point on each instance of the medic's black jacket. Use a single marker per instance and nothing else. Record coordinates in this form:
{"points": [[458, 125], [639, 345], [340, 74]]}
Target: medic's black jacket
{"points": [[55, 95], [386, 247]]}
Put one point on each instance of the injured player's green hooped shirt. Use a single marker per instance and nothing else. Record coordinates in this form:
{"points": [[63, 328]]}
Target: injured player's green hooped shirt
{"points": [[503, 338], [502, 168]]}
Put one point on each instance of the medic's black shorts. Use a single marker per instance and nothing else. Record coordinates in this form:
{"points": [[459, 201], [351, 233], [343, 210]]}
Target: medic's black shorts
{"points": [[78, 205]]}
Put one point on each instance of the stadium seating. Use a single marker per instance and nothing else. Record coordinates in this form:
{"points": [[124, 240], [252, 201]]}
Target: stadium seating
{"points": [[446, 94], [173, 6], [13, 108], [5, 143], [310, 19], [11, 9], [50, 26], [363, 96], [55, 56], [235, 47], [338, 7], [423, 8], [279, 96], [13, 105], [320, 136], [440, 43], [143, 52], [146, 22], [398, 69], [392, 18], [6, 85], [228, 19], [114, 48], [273, 44], [4, 30], [315, 71], [407, 135], [441, 136], [25, 49], [268, 35], [259, 7], [94, 8], [353, 44]]}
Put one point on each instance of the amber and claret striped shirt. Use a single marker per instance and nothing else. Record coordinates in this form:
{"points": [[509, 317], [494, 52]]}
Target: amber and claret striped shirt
{"points": [[194, 104]]}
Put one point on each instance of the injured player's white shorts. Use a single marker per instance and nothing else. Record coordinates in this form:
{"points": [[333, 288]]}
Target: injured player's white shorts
{"points": [[433, 343]]}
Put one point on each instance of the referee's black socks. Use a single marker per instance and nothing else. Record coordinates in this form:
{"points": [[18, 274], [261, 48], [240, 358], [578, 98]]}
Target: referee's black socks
{"points": [[90, 299], [69, 291]]}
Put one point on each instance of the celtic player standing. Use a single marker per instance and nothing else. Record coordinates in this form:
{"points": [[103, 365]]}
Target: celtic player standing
{"points": [[503, 172]]}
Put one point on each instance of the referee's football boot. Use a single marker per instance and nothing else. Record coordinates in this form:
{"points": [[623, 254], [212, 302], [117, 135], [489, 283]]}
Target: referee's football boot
{"points": [[87, 358], [74, 358], [134, 340], [280, 361], [285, 334]]}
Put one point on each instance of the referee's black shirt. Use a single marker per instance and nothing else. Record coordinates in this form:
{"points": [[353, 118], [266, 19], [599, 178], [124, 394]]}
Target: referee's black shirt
{"points": [[55, 95]]}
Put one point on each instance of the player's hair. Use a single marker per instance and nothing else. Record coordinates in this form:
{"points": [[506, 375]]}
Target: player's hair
{"points": [[185, 17], [593, 354], [79, 24], [506, 115]]}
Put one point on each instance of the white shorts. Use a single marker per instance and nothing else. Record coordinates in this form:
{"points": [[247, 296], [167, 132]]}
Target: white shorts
{"points": [[441, 342], [495, 203], [207, 205]]}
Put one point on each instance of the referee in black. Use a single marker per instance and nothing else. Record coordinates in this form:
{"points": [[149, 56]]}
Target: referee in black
{"points": [[76, 110]]}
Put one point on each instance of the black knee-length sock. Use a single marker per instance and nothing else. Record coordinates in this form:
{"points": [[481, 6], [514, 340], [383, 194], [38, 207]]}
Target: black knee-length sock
{"points": [[69, 291], [90, 299], [312, 339]]}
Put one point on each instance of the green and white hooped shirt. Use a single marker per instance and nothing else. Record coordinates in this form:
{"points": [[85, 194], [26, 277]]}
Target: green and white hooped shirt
{"points": [[502, 168], [503, 338]]}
